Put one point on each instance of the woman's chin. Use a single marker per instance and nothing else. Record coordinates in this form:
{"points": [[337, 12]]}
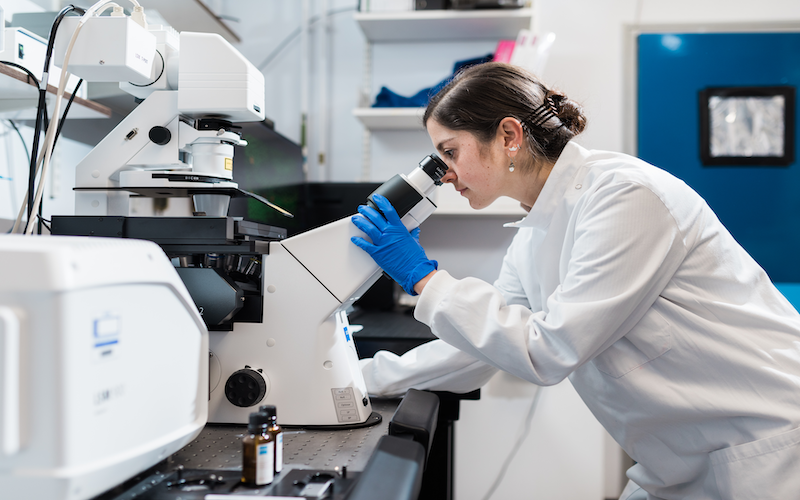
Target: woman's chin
{"points": [[477, 205]]}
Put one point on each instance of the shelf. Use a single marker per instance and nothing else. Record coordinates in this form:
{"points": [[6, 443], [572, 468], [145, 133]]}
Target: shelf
{"points": [[427, 25], [19, 98], [390, 118]]}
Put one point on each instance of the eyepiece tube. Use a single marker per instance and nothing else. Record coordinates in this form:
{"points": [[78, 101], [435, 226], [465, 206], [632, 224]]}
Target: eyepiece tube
{"points": [[407, 192], [434, 167]]}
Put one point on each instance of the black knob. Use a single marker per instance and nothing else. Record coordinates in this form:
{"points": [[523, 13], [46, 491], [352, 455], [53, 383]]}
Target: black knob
{"points": [[245, 388], [160, 135]]}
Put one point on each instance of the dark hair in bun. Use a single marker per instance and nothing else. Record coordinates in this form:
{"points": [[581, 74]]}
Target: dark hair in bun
{"points": [[479, 97]]}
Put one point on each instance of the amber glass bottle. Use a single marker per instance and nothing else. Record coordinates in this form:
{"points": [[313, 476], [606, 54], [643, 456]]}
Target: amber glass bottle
{"points": [[277, 434], [258, 447]]}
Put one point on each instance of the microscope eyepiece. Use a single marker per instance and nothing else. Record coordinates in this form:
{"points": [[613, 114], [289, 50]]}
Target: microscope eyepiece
{"points": [[405, 192], [434, 167]]}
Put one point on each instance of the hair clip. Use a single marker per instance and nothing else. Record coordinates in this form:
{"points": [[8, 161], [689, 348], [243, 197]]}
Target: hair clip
{"points": [[540, 115]]}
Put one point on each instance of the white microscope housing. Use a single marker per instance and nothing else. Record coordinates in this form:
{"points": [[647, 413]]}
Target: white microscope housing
{"points": [[282, 336], [179, 140], [302, 357]]}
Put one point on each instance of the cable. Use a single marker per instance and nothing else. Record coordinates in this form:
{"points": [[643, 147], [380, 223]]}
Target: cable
{"points": [[163, 65], [41, 112], [31, 76], [45, 222], [524, 434], [294, 34], [35, 206], [66, 110], [43, 158]]}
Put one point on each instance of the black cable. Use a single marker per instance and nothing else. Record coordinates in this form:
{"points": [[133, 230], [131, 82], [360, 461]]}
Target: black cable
{"points": [[32, 157], [66, 110], [44, 222], [163, 65], [294, 34], [39, 221], [41, 109], [42, 104], [31, 76], [54, 28]]}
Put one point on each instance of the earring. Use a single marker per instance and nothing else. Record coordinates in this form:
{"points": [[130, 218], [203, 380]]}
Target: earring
{"points": [[512, 148]]}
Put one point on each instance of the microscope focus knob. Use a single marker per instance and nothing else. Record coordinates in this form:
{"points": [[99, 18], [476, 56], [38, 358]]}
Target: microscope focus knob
{"points": [[160, 135], [245, 388]]}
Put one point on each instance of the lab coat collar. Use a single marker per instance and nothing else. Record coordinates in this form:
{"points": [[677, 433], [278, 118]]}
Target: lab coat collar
{"points": [[563, 175]]}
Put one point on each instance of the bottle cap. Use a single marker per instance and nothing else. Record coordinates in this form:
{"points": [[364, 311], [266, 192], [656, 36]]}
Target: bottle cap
{"points": [[257, 421], [269, 410]]}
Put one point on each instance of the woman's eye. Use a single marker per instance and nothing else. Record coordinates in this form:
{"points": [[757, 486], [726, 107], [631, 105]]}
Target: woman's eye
{"points": [[449, 153]]}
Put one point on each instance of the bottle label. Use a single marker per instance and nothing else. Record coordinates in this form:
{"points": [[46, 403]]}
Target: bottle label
{"points": [[279, 453], [265, 463]]}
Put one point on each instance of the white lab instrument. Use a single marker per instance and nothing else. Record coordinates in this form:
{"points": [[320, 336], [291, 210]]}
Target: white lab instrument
{"points": [[294, 350], [301, 357], [179, 140], [27, 49], [103, 368]]}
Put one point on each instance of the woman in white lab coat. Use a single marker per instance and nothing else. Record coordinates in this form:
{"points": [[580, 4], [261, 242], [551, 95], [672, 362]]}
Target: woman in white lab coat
{"points": [[621, 278]]}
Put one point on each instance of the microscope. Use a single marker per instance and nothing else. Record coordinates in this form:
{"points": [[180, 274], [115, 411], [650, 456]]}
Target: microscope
{"points": [[275, 307]]}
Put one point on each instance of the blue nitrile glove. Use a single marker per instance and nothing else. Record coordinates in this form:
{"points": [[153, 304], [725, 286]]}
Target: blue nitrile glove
{"points": [[393, 247]]}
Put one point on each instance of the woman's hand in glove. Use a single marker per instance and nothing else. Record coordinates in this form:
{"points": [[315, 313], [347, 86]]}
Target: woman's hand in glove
{"points": [[393, 247]]}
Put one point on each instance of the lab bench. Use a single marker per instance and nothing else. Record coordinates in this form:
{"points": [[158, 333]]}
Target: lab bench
{"points": [[212, 463], [389, 466]]}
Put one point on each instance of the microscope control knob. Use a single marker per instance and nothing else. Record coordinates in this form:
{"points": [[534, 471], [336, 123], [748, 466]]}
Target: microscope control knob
{"points": [[245, 388], [160, 135]]}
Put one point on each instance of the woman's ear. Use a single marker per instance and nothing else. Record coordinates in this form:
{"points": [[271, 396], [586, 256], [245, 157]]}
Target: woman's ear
{"points": [[511, 134]]}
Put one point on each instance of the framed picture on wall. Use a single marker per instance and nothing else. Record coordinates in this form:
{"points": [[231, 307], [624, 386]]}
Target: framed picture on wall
{"points": [[747, 126]]}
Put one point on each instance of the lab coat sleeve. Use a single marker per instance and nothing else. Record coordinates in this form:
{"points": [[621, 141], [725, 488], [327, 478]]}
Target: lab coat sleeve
{"points": [[435, 366], [509, 284], [619, 254]]}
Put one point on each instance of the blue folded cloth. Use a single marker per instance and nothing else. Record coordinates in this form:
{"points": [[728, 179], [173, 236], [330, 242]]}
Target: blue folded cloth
{"points": [[388, 99]]}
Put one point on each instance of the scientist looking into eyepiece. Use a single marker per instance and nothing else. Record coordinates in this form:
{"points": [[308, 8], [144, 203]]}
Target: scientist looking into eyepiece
{"points": [[621, 278]]}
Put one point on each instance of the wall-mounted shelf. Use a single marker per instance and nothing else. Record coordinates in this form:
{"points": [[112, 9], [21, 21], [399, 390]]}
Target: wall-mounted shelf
{"points": [[427, 25], [433, 26], [19, 97], [390, 118]]}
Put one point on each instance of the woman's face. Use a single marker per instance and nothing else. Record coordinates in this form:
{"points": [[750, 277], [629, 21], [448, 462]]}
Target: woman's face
{"points": [[476, 170]]}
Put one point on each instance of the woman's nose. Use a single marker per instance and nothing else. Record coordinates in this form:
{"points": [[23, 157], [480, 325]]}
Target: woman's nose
{"points": [[449, 176]]}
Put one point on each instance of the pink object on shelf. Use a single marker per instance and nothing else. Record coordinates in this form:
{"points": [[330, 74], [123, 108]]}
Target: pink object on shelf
{"points": [[504, 50]]}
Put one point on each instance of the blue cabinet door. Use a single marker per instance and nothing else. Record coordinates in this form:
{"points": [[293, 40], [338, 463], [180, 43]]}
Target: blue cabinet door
{"points": [[759, 204]]}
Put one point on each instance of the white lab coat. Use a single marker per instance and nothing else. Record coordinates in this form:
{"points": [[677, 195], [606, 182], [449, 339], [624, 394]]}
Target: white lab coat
{"points": [[623, 279]]}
